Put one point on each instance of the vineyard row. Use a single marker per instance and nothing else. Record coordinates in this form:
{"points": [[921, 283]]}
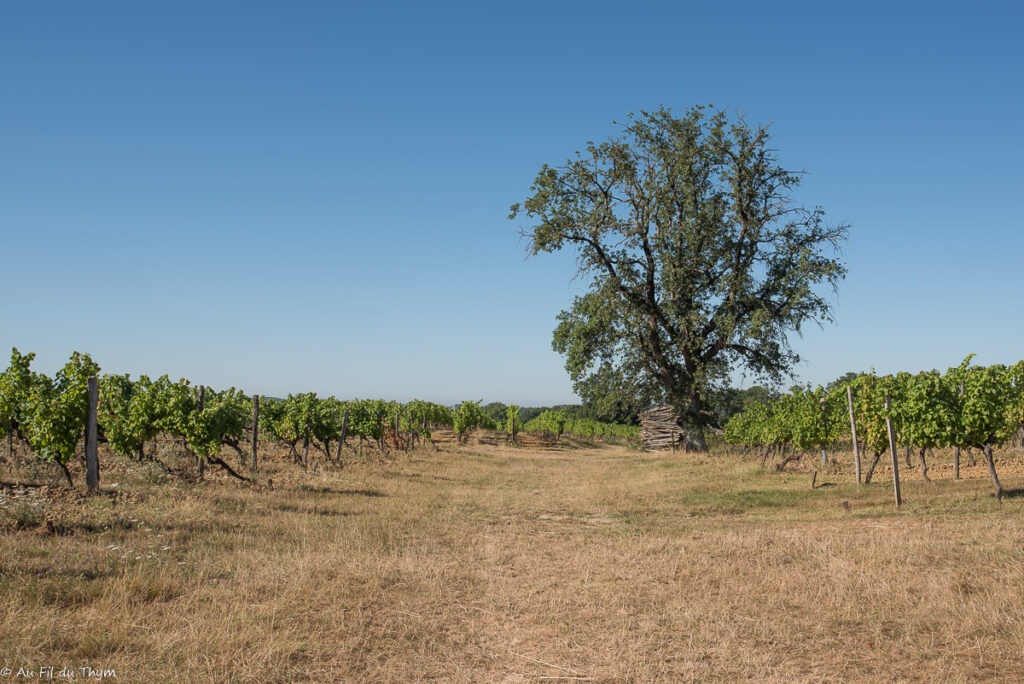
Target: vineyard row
{"points": [[52, 415], [967, 407]]}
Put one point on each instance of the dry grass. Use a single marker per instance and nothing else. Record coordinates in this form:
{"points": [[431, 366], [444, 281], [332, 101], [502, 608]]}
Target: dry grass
{"points": [[494, 564]]}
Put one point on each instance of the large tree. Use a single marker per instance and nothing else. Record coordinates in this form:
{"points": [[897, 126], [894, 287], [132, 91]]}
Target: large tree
{"points": [[697, 258]]}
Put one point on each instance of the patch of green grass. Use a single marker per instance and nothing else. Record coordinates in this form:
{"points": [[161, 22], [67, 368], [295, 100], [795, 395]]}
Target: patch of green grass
{"points": [[22, 516], [744, 501]]}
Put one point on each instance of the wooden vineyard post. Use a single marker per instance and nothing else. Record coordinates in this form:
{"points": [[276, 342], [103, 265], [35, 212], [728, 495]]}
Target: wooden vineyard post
{"points": [[380, 429], [305, 446], [895, 456], [824, 428], [853, 433], [255, 430], [956, 451], [92, 458], [344, 430], [201, 462]]}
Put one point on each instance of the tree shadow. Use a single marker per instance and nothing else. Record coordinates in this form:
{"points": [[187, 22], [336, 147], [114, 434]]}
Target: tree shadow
{"points": [[373, 493], [315, 510], [4, 484]]}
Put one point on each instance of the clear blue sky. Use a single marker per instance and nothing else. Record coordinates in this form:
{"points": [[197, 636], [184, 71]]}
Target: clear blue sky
{"points": [[313, 196]]}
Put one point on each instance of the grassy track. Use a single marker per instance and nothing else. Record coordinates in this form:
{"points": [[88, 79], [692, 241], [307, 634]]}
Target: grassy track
{"points": [[491, 564]]}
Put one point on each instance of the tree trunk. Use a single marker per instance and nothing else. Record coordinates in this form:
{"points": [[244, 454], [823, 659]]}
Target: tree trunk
{"points": [[67, 474], [233, 443], [924, 466], [693, 440], [795, 456], [690, 419], [692, 437], [215, 460], [992, 471], [876, 456]]}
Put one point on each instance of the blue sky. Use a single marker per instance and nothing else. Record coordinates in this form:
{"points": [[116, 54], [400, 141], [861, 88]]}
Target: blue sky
{"points": [[312, 196]]}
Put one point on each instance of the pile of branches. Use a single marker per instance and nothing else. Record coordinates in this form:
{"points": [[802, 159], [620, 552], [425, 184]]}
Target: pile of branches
{"points": [[659, 429]]}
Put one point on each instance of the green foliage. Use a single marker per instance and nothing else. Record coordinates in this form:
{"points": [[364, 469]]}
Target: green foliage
{"points": [[528, 413], [422, 415], [551, 422], [986, 407], [728, 401], [697, 259], [753, 426], [809, 418], [869, 392], [225, 415], [513, 422], [588, 428], [805, 419], [495, 411], [327, 420], [300, 412], [180, 400], [132, 413], [301, 416], [968, 406], [366, 418], [469, 416], [612, 396], [925, 408], [15, 386], [58, 409], [556, 422], [1015, 403], [271, 416]]}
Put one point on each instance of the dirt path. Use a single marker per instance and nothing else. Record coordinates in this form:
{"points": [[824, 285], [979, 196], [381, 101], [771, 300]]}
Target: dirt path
{"points": [[500, 564]]}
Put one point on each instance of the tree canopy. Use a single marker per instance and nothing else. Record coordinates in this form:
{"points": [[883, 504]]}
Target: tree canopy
{"points": [[696, 256]]}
